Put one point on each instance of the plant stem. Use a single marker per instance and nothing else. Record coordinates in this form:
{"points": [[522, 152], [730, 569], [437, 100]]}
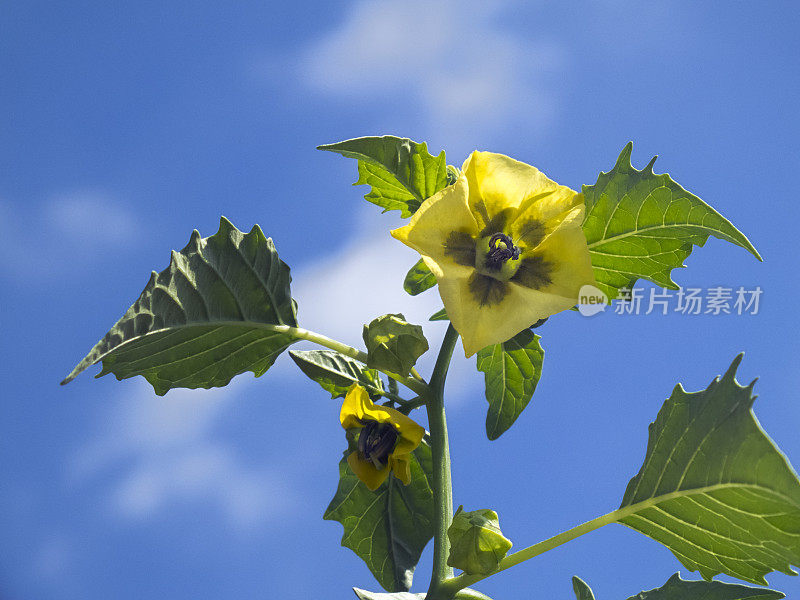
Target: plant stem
{"points": [[451, 586], [456, 583], [408, 405], [442, 486], [419, 387]]}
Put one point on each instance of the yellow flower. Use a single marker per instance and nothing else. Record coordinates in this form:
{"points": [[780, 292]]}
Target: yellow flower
{"points": [[506, 246], [385, 440]]}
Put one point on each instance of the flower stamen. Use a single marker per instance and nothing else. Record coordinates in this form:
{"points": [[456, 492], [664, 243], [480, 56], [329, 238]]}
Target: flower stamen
{"points": [[501, 249], [376, 442]]}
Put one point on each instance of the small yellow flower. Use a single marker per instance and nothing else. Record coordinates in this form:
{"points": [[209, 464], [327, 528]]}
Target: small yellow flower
{"points": [[506, 246], [385, 440]]}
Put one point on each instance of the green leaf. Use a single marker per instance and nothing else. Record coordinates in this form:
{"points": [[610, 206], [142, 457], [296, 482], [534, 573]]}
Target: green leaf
{"points": [[714, 489], [465, 594], [419, 278], [401, 172], [222, 307], [640, 225], [680, 589], [439, 315], [387, 528], [581, 589], [512, 370], [393, 344], [336, 372], [366, 595]]}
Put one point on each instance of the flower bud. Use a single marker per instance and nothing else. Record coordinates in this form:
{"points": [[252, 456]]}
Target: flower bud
{"points": [[394, 345], [452, 174], [476, 543]]}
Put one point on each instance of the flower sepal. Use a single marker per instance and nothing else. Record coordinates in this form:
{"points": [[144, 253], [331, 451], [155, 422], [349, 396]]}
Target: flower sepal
{"points": [[393, 344], [476, 543]]}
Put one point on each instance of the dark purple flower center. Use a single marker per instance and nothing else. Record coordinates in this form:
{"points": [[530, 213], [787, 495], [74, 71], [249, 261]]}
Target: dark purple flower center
{"points": [[376, 441], [501, 249]]}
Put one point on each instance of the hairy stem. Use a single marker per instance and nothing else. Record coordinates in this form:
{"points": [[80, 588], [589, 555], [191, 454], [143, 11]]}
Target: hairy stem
{"points": [[442, 487]]}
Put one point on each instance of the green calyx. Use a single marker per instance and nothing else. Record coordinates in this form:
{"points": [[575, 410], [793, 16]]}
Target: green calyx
{"points": [[393, 345], [476, 543]]}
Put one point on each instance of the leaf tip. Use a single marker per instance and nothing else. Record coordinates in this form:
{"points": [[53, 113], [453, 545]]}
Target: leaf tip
{"points": [[581, 589], [224, 225], [730, 374], [648, 170], [752, 250], [624, 159]]}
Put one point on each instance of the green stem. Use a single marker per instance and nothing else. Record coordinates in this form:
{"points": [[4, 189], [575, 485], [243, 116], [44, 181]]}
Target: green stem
{"points": [[451, 586], [457, 583], [442, 486], [419, 387], [399, 400], [408, 405]]}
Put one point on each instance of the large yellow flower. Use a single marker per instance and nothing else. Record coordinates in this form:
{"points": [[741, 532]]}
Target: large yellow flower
{"points": [[385, 440], [506, 246]]}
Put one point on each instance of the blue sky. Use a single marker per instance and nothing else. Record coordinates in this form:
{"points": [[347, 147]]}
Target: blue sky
{"points": [[122, 128]]}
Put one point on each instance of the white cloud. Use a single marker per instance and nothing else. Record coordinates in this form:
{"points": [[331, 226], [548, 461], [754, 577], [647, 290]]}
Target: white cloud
{"points": [[158, 452], [468, 76], [341, 292], [208, 471], [63, 235], [90, 217]]}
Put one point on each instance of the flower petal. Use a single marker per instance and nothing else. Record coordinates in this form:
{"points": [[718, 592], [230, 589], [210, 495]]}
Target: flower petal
{"points": [[479, 325], [498, 183], [567, 255], [366, 471], [411, 434], [401, 467], [440, 216], [539, 218], [484, 325], [357, 407]]}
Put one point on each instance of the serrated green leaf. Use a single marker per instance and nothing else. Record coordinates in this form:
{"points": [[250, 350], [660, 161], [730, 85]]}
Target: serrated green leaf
{"points": [[640, 225], [419, 278], [439, 315], [400, 171], [387, 528], [336, 372], [680, 589], [714, 488], [511, 372], [222, 307], [581, 589]]}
